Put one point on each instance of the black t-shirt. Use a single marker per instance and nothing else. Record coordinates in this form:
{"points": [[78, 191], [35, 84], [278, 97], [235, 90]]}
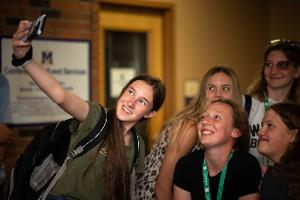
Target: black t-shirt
{"points": [[242, 177], [274, 184]]}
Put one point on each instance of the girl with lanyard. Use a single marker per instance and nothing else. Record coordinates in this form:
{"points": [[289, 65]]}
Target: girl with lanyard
{"points": [[179, 134], [278, 81], [223, 169]]}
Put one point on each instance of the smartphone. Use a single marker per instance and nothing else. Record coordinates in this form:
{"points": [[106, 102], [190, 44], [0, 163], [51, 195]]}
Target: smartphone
{"points": [[36, 28]]}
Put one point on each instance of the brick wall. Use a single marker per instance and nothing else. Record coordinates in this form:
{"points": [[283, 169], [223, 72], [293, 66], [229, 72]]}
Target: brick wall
{"points": [[66, 19]]}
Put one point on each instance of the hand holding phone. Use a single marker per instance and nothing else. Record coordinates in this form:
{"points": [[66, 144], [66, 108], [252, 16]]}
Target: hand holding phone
{"points": [[36, 28]]}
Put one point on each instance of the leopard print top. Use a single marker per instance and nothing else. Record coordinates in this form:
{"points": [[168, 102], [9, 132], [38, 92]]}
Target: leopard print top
{"points": [[145, 185]]}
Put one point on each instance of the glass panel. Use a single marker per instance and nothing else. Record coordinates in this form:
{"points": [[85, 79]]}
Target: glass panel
{"points": [[126, 56]]}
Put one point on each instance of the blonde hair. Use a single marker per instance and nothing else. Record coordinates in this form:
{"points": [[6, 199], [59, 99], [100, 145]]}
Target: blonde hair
{"points": [[196, 106]]}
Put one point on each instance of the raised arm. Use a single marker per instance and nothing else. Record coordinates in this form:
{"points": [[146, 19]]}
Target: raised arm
{"points": [[72, 104], [184, 143]]}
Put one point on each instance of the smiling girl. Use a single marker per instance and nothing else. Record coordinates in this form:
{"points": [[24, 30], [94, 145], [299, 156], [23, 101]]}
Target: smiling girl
{"points": [[280, 141], [104, 171], [179, 134], [223, 169], [278, 81]]}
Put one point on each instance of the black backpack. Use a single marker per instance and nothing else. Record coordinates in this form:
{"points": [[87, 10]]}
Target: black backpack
{"points": [[51, 139], [54, 139]]}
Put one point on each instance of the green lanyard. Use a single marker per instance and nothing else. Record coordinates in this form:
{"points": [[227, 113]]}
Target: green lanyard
{"points": [[206, 179], [266, 103]]}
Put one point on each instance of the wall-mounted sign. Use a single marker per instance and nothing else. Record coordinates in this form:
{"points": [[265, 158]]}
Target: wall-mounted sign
{"points": [[191, 88], [119, 77], [67, 60]]}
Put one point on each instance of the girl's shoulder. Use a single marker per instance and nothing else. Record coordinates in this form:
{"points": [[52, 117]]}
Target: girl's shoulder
{"points": [[193, 156], [243, 160], [91, 120], [244, 156]]}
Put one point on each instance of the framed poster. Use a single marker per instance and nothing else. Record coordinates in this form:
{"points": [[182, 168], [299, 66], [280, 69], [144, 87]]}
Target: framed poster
{"points": [[191, 88], [119, 77], [67, 60]]}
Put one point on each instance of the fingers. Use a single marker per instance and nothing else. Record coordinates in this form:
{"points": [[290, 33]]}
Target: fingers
{"points": [[22, 31], [20, 48]]}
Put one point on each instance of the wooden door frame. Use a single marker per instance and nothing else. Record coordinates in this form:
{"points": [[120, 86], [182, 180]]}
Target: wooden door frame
{"points": [[168, 14]]}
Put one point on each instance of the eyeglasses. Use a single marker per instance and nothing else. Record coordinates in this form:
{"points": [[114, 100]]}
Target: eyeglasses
{"points": [[290, 47], [281, 65], [285, 42]]}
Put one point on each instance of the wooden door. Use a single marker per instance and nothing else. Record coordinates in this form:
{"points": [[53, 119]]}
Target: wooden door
{"points": [[151, 25]]}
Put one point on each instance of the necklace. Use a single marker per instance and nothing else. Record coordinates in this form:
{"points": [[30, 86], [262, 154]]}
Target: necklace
{"points": [[206, 179], [217, 171], [266, 103]]}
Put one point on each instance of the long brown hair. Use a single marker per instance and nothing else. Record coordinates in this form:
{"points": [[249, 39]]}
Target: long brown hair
{"points": [[291, 50], [290, 115], [116, 172]]}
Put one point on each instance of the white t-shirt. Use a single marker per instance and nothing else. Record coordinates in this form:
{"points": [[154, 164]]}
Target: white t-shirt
{"points": [[255, 117]]}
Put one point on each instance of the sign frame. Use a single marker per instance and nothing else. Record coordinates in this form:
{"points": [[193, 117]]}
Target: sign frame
{"points": [[68, 60]]}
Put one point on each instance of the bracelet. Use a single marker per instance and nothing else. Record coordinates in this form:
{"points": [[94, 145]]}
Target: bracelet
{"points": [[27, 62], [22, 61]]}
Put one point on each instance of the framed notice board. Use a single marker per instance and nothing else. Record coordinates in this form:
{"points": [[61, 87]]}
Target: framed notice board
{"points": [[69, 62]]}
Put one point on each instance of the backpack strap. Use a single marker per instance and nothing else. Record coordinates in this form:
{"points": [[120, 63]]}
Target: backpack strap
{"points": [[248, 103], [93, 138], [137, 148], [87, 143]]}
